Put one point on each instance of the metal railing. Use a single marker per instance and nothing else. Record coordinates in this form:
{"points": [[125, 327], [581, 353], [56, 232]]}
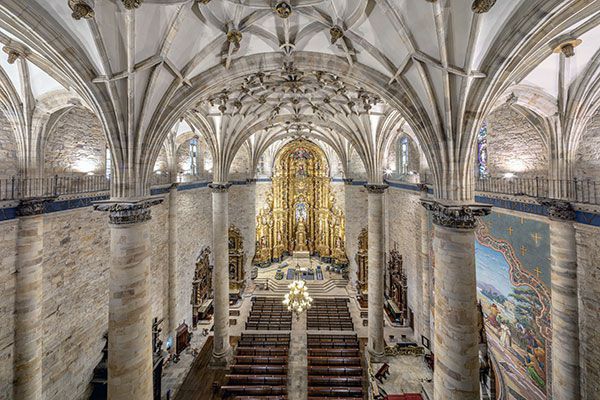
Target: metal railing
{"points": [[585, 191], [15, 188]]}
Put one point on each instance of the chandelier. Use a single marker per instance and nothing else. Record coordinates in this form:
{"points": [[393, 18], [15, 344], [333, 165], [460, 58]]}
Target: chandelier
{"points": [[298, 299]]}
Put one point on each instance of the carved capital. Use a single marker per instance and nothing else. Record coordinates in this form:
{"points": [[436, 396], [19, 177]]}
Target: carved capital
{"points": [[482, 6], [348, 181], [558, 210], [33, 206], [456, 216], [132, 4], [378, 189], [81, 9], [219, 187], [126, 213]]}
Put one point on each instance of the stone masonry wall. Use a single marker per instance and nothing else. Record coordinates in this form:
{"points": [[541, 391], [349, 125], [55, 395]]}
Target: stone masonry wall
{"points": [[587, 163], [8, 150], [515, 146], [356, 203], [403, 211], [588, 260], [65, 151], [8, 248], [242, 214]]}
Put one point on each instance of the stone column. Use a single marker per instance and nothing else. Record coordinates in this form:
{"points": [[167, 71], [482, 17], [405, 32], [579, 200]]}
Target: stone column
{"points": [[353, 276], [456, 373], [425, 268], [28, 300], [220, 209], [565, 309], [376, 270], [129, 311], [172, 286]]}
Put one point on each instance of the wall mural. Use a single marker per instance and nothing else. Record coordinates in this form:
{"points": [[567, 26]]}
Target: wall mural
{"points": [[513, 285]]}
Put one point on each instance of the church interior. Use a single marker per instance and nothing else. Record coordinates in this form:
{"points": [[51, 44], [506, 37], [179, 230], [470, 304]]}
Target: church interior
{"points": [[300, 199]]}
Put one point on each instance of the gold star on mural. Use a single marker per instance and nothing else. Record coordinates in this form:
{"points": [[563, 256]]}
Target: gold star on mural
{"points": [[538, 272], [536, 238], [523, 250], [510, 231]]}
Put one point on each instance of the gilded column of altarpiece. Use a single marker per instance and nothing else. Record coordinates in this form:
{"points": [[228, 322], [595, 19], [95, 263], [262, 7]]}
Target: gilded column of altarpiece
{"points": [[300, 214]]}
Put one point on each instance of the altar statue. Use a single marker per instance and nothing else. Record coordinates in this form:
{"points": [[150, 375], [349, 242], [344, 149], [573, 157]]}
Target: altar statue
{"points": [[301, 237]]}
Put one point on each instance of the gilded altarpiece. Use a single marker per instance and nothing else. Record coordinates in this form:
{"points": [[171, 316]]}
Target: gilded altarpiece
{"points": [[301, 215], [236, 263], [202, 288], [397, 288], [362, 260]]}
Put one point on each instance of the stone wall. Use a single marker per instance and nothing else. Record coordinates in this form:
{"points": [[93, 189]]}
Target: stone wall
{"points": [[514, 145], [588, 259], [587, 163], [357, 168], [403, 211], [67, 153], [242, 212], [240, 166], [9, 163], [356, 202]]}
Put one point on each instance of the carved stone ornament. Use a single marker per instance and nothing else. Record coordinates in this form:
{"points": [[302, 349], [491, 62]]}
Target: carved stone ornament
{"points": [[456, 216], [336, 33], [378, 189], [132, 4], [13, 54], [568, 50], [558, 210], [423, 188], [204, 1], [81, 9], [482, 6], [219, 187], [33, 206], [125, 213], [348, 181], [283, 9]]}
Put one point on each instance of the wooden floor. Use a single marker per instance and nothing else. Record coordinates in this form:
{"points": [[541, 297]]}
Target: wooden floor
{"points": [[198, 384]]}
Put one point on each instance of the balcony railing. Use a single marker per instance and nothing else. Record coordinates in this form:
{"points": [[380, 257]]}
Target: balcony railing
{"points": [[16, 188], [585, 191]]}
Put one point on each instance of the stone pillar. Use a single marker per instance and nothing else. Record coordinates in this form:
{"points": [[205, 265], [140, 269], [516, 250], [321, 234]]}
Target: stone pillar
{"points": [[353, 276], [129, 311], [172, 287], [220, 209], [456, 373], [28, 300], [425, 268], [376, 270], [565, 309]]}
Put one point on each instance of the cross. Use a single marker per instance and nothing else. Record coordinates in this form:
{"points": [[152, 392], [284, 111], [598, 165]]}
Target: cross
{"points": [[523, 250], [510, 231], [536, 238], [538, 272]]}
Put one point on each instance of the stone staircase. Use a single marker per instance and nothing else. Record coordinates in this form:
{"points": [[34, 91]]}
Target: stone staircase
{"points": [[316, 288]]}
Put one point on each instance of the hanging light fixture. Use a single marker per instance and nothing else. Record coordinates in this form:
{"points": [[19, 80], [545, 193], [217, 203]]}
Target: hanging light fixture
{"points": [[298, 299]]}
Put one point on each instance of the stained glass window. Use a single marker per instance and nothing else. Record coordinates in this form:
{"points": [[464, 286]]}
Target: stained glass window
{"points": [[482, 151], [194, 156], [107, 168], [404, 155]]}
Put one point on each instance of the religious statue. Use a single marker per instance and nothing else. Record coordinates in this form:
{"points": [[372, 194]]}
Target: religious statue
{"points": [[301, 240]]}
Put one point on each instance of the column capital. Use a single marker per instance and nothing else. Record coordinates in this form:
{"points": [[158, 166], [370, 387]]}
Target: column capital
{"points": [[33, 206], [456, 216], [558, 210], [423, 188], [348, 181], [128, 212], [376, 188], [173, 185], [219, 187]]}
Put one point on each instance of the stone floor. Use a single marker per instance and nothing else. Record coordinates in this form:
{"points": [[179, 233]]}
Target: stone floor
{"points": [[407, 374]]}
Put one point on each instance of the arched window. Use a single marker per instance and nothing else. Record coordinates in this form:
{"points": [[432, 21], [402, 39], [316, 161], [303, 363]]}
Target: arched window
{"points": [[404, 156], [194, 156], [108, 166], [482, 152]]}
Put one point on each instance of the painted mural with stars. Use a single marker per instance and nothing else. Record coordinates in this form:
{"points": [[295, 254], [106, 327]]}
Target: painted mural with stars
{"points": [[513, 283]]}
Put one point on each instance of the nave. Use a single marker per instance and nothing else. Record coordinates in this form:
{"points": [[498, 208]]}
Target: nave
{"points": [[319, 355]]}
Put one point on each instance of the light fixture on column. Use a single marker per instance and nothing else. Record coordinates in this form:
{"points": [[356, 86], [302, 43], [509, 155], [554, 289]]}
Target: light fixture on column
{"points": [[298, 299]]}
